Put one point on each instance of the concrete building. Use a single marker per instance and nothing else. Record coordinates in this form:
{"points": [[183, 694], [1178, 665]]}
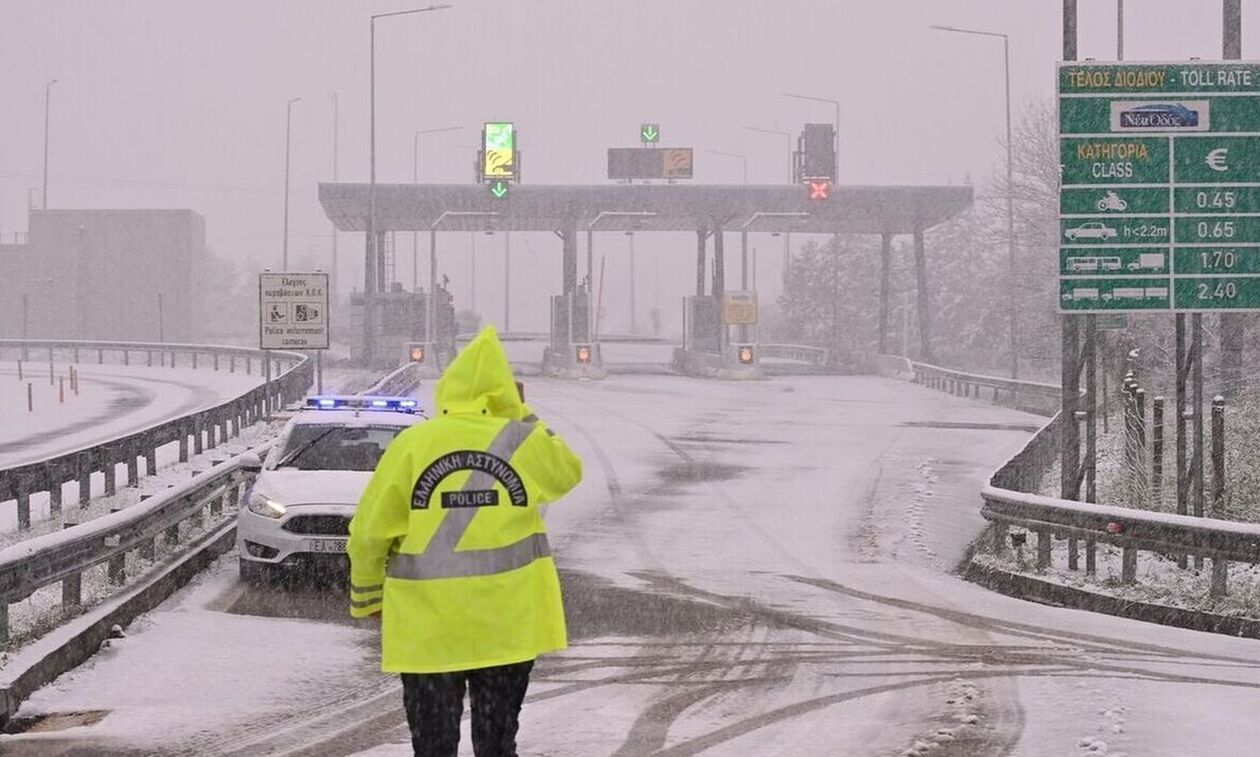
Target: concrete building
{"points": [[103, 274]]}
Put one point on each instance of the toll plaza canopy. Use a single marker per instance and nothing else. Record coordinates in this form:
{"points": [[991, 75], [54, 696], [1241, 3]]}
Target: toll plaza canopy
{"points": [[644, 207]]}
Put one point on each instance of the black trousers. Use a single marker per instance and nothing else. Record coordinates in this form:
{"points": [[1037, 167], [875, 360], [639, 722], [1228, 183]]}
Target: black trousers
{"points": [[435, 705]]}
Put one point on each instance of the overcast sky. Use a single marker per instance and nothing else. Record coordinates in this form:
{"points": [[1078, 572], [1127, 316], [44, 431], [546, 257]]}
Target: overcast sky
{"points": [[181, 103]]}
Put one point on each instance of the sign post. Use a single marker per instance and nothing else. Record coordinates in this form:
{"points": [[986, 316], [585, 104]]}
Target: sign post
{"points": [[293, 315], [1160, 203]]}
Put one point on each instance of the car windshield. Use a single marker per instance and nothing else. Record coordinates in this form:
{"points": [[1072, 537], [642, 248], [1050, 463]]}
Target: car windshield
{"points": [[326, 446]]}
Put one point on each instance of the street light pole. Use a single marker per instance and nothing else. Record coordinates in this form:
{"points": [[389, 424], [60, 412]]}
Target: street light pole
{"points": [[784, 134], [415, 179], [634, 328], [332, 279], [43, 203], [1013, 315], [288, 133], [369, 267]]}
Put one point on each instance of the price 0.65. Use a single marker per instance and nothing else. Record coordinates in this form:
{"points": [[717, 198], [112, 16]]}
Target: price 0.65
{"points": [[1215, 230]]}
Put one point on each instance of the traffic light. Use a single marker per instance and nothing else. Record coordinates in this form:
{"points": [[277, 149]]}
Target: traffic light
{"points": [[583, 354], [416, 353], [819, 190], [745, 354]]}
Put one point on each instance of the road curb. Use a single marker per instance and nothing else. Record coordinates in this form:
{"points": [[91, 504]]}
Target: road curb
{"points": [[72, 644], [1033, 589]]}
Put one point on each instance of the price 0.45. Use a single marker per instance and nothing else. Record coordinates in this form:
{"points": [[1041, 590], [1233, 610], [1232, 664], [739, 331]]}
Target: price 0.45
{"points": [[1215, 200]]}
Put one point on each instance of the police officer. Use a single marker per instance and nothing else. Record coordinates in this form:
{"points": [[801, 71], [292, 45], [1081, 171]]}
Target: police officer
{"points": [[448, 549]]}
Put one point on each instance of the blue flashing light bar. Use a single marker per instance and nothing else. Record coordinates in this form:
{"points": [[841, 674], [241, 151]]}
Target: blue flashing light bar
{"points": [[393, 404]]}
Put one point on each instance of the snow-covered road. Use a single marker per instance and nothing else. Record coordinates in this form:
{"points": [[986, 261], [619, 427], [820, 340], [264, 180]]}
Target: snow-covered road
{"points": [[751, 568], [114, 400]]}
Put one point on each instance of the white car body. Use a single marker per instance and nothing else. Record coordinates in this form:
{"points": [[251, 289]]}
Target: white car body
{"points": [[294, 518]]}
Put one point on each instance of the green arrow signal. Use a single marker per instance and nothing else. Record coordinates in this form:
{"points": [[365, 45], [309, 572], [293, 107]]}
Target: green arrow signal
{"points": [[650, 133], [499, 189]]}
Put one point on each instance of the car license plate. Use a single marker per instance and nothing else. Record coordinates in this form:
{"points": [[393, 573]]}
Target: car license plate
{"points": [[326, 545]]}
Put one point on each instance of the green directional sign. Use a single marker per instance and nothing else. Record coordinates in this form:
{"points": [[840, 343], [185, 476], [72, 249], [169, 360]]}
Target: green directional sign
{"points": [[650, 134], [1159, 203], [498, 189]]}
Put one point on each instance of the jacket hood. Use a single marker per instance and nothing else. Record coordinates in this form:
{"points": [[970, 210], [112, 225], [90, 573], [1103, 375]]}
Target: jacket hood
{"points": [[480, 381]]}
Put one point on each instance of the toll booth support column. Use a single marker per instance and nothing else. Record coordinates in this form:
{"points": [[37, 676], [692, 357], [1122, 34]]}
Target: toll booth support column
{"points": [[719, 262], [430, 317], [925, 311], [369, 290], [569, 240], [744, 332], [885, 264], [590, 283], [701, 238], [381, 284]]}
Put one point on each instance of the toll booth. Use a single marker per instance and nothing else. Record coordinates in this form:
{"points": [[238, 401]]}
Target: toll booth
{"points": [[398, 320], [573, 351], [702, 324], [709, 347]]}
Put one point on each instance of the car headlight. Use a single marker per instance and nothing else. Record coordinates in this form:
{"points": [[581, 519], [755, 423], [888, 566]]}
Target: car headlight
{"points": [[264, 506]]}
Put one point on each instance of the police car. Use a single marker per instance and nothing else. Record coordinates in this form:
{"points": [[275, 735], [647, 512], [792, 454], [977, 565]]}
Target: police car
{"points": [[296, 514]]}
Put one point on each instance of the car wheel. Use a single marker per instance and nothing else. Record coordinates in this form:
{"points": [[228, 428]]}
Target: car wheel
{"points": [[255, 573]]}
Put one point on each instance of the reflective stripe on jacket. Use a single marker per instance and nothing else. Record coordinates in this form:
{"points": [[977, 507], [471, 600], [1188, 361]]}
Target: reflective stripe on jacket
{"points": [[448, 541]]}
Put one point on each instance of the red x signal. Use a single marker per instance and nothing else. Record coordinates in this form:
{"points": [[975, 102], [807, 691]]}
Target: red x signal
{"points": [[819, 190]]}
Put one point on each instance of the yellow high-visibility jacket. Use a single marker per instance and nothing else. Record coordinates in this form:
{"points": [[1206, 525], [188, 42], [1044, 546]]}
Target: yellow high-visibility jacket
{"points": [[448, 542]]}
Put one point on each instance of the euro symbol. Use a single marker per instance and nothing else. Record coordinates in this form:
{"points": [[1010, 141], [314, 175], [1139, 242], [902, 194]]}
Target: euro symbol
{"points": [[1216, 160]]}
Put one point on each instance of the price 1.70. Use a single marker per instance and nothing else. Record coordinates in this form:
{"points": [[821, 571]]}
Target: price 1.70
{"points": [[1218, 260]]}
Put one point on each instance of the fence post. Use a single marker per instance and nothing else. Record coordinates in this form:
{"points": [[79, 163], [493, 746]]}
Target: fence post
{"points": [[150, 461], [23, 507], [117, 566], [54, 492], [1128, 565], [148, 548], [1139, 467], [71, 586], [1218, 456], [111, 471], [133, 468], [85, 478], [1220, 577], [1043, 549]]}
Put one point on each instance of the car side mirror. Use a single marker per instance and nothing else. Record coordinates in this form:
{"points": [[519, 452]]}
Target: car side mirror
{"points": [[250, 462]]}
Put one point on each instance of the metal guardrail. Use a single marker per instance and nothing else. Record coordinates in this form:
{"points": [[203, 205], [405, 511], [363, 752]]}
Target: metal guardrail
{"points": [[399, 383], [1131, 530], [205, 429], [801, 353], [1032, 396], [64, 556]]}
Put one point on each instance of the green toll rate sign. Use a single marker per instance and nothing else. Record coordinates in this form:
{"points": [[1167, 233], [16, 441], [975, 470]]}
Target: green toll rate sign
{"points": [[1159, 206]]}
